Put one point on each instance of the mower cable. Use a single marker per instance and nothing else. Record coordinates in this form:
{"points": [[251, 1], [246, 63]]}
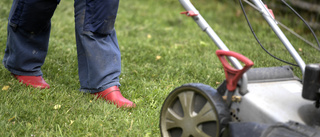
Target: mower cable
{"points": [[288, 29], [254, 34], [314, 35]]}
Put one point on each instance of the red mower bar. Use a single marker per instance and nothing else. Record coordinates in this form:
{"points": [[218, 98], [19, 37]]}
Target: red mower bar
{"points": [[233, 75], [189, 13]]}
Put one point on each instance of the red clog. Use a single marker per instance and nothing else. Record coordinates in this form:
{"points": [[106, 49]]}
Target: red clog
{"points": [[113, 95], [34, 81]]}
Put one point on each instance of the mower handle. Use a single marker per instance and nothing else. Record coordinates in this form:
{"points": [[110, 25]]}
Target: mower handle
{"points": [[191, 11], [233, 75]]}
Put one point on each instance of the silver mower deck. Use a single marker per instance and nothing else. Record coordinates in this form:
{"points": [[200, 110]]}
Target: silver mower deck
{"points": [[274, 98]]}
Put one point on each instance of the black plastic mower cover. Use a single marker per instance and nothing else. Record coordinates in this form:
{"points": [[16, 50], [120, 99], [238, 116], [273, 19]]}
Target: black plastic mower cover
{"points": [[311, 82], [289, 129]]}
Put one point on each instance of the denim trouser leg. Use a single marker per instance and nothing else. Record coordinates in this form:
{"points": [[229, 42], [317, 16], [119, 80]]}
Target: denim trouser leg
{"points": [[28, 36], [99, 59]]}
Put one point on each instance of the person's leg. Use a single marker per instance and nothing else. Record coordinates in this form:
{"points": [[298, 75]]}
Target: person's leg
{"points": [[99, 59], [28, 37]]}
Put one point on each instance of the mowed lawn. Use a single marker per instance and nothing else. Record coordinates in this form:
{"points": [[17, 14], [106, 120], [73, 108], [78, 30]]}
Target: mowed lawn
{"points": [[161, 50]]}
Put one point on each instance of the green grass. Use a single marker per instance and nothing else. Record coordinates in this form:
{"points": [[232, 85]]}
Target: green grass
{"points": [[147, 30]]}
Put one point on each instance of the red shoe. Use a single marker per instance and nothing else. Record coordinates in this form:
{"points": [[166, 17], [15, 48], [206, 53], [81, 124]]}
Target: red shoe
{"points": [[114, 96], [34, 81]]}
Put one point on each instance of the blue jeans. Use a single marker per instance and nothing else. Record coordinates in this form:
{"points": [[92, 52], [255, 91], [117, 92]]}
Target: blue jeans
{"points": [[99, 59]]}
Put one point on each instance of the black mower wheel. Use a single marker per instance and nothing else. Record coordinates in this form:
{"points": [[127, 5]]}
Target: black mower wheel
{"points": [[194, 110]]}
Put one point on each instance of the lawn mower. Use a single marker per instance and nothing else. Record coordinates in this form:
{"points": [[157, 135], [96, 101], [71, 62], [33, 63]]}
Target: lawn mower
{"points": [[250, 102]]}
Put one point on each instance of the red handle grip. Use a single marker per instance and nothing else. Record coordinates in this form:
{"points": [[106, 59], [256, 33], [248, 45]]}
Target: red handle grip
{"points": [[233, 75]]}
